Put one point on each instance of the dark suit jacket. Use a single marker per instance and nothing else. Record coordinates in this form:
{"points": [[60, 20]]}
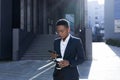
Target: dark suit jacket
{"points": [[74, 53]]}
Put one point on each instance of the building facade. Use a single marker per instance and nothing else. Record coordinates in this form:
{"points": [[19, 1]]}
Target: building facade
{"points": [[112, 14], [22, 20]]}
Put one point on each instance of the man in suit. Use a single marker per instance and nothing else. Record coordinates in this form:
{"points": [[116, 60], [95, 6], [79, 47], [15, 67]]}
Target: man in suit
{"points": [[68, 48]]}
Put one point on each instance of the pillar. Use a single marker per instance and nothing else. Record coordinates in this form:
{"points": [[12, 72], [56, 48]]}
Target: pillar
{"points": [[5, 29], [45, 16], [16, 26]]}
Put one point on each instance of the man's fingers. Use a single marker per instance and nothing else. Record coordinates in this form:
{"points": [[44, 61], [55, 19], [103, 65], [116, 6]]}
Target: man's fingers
{"points": [[53, 55], [61, 64], [64, 63]]}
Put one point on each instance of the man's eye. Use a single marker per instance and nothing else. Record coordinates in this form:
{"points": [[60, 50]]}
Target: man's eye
{"points": [[60, 31]]}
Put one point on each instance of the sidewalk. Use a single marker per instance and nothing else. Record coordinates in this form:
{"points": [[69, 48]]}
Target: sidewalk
{"points": [[106, 63], [105, 66], [22, 70]]}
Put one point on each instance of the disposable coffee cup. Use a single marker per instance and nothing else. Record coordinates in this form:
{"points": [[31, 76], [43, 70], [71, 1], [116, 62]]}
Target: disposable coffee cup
{"points": [[58, 60]]}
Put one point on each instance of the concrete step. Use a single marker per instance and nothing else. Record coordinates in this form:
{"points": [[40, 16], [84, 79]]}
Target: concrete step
{"points": [[39, 48], [39, 53], [36, 57], [33, 57]]}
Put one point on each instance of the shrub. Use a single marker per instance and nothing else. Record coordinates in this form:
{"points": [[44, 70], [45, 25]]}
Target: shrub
{"points": [[113, 42]]}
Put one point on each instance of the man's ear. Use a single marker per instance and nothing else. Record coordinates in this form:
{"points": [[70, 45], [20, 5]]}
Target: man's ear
{"points": [[69, 29]]}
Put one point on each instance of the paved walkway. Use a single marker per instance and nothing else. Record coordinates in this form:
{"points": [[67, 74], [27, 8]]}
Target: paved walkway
{"points": [[104, 66], [106, 63]]}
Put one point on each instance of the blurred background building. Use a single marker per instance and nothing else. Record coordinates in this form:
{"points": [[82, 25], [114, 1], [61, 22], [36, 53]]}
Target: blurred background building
{"points": [[112, 19], [96, 19], [27, 27]]}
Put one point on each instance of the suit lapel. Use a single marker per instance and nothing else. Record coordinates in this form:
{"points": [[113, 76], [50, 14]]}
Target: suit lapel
{"points": [[59, 52], [67, 47]]}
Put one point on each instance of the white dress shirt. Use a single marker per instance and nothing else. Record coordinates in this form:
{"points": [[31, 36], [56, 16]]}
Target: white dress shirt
{"points": [[63, 45]]}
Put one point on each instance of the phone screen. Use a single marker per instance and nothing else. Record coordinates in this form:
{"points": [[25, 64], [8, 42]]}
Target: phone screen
{"points": [[51, 51]]}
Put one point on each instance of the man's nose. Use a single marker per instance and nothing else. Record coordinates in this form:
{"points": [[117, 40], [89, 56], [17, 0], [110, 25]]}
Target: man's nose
{"points": [[59, 33]]}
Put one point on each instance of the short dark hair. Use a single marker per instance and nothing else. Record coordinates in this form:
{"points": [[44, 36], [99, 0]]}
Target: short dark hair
{"points": [[63, 22]]}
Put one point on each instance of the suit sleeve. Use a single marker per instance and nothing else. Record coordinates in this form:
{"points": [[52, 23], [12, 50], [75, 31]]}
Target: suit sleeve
{"points": [[79, 54], [54, 45]]}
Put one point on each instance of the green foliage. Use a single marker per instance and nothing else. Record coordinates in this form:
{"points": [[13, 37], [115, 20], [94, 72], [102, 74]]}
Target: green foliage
{"points": [[113, 42]]}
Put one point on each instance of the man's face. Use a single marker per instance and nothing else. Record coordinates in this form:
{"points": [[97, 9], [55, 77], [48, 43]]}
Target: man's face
{"points": [[62, 31]]}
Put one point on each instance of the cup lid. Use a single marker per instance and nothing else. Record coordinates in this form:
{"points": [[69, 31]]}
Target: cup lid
{"points": [[59, 59]]}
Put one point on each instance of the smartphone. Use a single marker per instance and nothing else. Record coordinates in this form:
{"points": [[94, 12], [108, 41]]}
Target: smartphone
{"points": [[51, 51]]}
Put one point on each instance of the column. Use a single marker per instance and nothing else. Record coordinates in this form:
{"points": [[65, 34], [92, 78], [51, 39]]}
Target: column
{"points": [[5, 29], [45, 16], [16, 13], [35, 16], [40, 13], [79, 15], [16, 26]]}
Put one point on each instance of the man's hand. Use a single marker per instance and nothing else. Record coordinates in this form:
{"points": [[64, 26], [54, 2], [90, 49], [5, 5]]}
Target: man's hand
{"points": [[53, 55], [64, 63]]}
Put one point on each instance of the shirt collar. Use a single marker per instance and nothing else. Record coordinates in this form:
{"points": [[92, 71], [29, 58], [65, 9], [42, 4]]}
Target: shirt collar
{"points": [[66, 40]]}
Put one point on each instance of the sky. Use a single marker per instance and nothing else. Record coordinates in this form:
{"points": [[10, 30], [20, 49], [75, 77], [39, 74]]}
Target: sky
{"points": [[99, 1]]}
